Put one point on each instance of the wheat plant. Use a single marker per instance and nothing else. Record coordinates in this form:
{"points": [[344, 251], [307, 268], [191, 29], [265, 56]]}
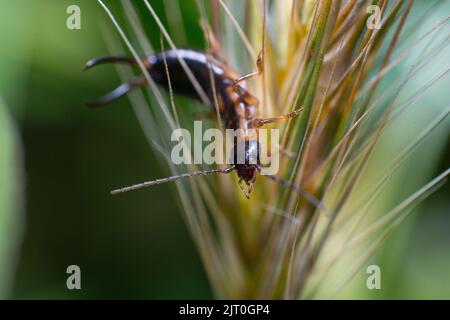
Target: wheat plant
{"points": [[326, 57]]}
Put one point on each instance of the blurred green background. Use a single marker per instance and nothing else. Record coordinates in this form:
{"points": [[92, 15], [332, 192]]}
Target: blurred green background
{"points": [[59, 160]]}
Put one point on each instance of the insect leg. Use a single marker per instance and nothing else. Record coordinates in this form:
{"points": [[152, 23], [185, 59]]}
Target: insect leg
{"points": [[215, 49], [303, 193], [259, 122], [285, 152], [209, 115], [260, 69]]}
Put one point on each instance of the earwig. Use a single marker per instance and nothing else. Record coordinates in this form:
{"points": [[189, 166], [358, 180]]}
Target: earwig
{"points": [[238, 108]]}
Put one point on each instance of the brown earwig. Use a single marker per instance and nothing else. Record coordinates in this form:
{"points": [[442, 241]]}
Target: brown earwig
{"points": [[238, 108]]}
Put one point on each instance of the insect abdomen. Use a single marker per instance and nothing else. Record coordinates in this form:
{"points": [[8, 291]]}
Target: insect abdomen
{"points": [[181, 83], [233, 106]]}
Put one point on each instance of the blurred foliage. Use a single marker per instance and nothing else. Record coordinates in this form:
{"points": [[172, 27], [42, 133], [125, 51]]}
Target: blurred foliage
{"points": [[73, 157], [10, 199], [136, 245]]}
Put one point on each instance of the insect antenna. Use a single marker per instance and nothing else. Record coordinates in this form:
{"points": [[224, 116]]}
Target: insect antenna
{"points": [[279, 212], [305, 194], [172, 178]]}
